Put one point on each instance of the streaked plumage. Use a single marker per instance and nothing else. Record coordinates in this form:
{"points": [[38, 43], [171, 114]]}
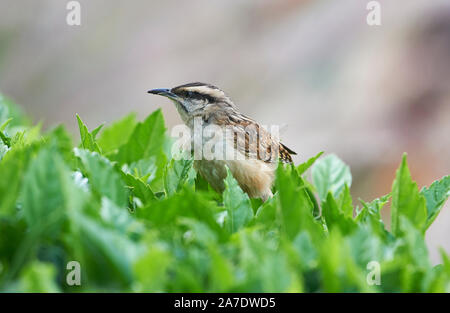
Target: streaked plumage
{"points": [[256, 150]]}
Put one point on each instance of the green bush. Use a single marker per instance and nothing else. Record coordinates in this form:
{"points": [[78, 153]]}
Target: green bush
{"points": [[138, 220]]}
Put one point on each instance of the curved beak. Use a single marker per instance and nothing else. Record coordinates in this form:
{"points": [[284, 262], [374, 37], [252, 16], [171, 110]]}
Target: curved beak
{"points": [[163, 92]]}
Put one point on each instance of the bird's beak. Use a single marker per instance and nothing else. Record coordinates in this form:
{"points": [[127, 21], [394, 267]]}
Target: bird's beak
{"points": [[164, 92]]}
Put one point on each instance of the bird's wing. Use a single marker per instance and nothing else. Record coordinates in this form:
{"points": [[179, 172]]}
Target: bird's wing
{"points": [[252, 140]]}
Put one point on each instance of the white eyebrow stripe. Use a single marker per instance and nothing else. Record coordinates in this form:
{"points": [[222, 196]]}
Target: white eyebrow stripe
{"points": [[216, 93]]}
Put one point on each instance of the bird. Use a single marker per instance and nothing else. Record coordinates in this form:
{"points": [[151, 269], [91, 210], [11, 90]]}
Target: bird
{"points": [[255, 152]]}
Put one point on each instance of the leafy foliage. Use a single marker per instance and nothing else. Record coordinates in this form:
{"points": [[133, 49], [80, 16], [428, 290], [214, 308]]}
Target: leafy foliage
{"points": [[237, 204], [138, 219], [330, 174], [435, 197], [407, 200]]}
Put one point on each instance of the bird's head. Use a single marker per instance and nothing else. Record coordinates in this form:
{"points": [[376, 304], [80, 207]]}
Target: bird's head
{"points": [[193, 98]]}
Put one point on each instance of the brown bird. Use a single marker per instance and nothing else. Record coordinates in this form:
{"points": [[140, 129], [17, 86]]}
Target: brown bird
{"points": [[238, 142]]}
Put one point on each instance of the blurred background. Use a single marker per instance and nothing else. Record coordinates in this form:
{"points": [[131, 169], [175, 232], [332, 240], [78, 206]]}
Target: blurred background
{"points": [[366, 93]]}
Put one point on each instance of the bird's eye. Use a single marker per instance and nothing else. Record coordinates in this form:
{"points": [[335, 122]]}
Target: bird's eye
{"points": [[189, 94]]}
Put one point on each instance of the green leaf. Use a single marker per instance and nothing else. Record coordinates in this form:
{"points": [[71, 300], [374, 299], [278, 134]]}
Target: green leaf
{"points": [[39, 277], [373, 208], [63, 140], [338, 270], [146, 140], [18, 140], [306, 249], [330, 174], [296, 207], [104, 178], [266, 267], [186, 203], [406, 200], [6, 140], [201, 183], [146, 169], [48, 196], [370, 213], [9, 110], [237, 204], [87, 139], [151, 270], [335, 217], [365, 246], [119, 218], [112, 137], [47, 191], [178, 173], [445, 269], [302, 168], [109, 253], [5, 124], [267, 213], [414, 242], [435, 197], [199, 232], [96, 131], [222, 276], [139, 189], [150, 170], [345, 202], [311, 193], [31, 134], [3, 150], [12, 169]]}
